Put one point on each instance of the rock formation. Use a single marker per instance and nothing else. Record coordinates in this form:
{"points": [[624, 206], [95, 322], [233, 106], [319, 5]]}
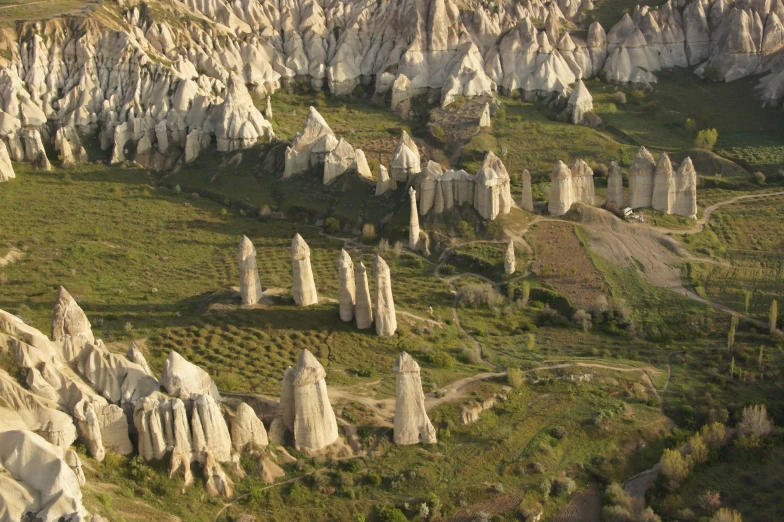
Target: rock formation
{"points": [[560, 190], [413, 225], [386, 319], [405, 159], [304, 288], [641, 175], [136, 356], [347, 292], [412, 426], [315, 426], [250, 283], [69, 319], [484, 119], [209, 431], [580, 102], [615, 186], [383, 183], [492, 194], [363, 310], [247, 430], [6, 169], [185, 380], [527, 200], [685, 190], [582, 183], [509, 259], [663, 197], [268, 109]]}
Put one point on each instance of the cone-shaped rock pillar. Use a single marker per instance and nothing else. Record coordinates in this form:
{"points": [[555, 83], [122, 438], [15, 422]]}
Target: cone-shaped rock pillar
{"points": [[347, 292], [315, 426], [386, 320], [250, 283], [363, 309], [615, 186], [69, 318], [304, 288], [509, 259], [413, 227], [527, 201], [412, 425]]}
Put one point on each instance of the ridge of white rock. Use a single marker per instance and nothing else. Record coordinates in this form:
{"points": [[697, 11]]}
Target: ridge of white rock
{"points": [[315, 426], [69, 319], [412, 425], [304, 288], [363, 309], [386, 318], [250, 282], [136, 356], [347, 291]]}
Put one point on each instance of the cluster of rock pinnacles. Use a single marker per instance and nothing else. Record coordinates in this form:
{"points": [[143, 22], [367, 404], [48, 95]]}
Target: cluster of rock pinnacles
{"points": [[79, 389]]}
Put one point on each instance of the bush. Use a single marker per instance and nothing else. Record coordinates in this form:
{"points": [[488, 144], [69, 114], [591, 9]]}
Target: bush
{"points": [[675, 466], [591, 120], [755, 421], [514, 376], [698, 449], [691, 125], [368, 232], [442, 360], [331, 225], [391, 514], [759, 178], [726, 515], [437, 131], [563, 487], [637, 96], [616, 514], [558, 432], [748, 442], [618, 98], [478, 295], [714, 435], [177, 189], [618, 496], [582, 319], [649, 516], [706, 139]]}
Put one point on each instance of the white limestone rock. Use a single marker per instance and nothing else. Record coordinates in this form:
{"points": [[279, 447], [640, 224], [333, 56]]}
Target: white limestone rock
{"points": [[685, 190], [283, 422], [250, 282], [615, 186], [509, 259], [663, 197], [386, 319], [492, 195], [115, 377], [582, 183], [69, 319], [185, 380], [304, 287], [315, 426], [527, 199], [209, 431], [561, 191], [268, 109], [413, 224], [136, 356], [363, 309], [412, 425], [299, 156], [347, 291], [484, 118], [237, 122], [580, 102], [6, 168], [383, 183], [34, 151], [338, 161], [641, 175], [247, 431], [405, 160]]}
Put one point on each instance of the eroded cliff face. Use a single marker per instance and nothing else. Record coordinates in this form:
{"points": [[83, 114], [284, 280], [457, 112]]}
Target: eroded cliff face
{"points": [[161, 81]]}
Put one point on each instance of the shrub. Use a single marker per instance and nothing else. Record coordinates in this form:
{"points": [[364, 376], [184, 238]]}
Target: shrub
{"points": [[177, 189], [437, 131], [582, 319], [558, 432], [545, 486], [616, 514], [442, 360], [698, 449], [383, 246], [368, 232], [331, 225], [374, 479], [714, 435], [649, 516], [391, 514], [754, 421], [691, 125], [675, 466], [636, 96], [563, 487], [549, 317], [618, 496], [514, 376], [478, 295], [706, 139], [748, 442], [619, 98], [726, 515], [759, 178], [591, 120], [710, 501], [469, 356]]}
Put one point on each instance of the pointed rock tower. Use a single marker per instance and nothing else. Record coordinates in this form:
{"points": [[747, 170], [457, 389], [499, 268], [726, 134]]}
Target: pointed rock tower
{"points": [[641, 175], [405, 159], [412, 426], [580, 102], [69, 319], [347, 293], [363, 309], [315, 426], [561, 193], [663, 185], [250, 283], [484, 119], [413, 225], [527, 201], [304, 288], [386, 319], [686, 190], [615, 186], [509, 259]]}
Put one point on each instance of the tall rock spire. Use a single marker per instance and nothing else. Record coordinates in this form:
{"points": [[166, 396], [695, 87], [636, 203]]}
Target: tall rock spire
{"points": [[412, 425], [527, 201], [509, 259], [315, 426], [250, 283], [304, 288], [363, 310], [413, 227], [69, 318], [386, 320], [347, 293]]}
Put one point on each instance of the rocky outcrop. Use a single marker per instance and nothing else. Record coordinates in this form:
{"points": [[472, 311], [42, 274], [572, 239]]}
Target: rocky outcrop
{"points": [[561, 195], [386, 319], [247, 431], [509, 259], [185, 380], [413, 224], [685, 190], [304, 288], [615, 186], [405, 159], [412, 426], [580, 102], [383, 182], [492, 194], [363, 310], [484, 118], [663, 197], [209, 431], [347, 292], [315, 426], [115, 377], [69, 319], [582, 183], [527, 199], [136, 356], [250, 283], [283, 422], [641, 175], [6, 169]]}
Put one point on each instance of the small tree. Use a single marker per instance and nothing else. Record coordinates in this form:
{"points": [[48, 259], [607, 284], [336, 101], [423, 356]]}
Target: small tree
{"points": [[618, 496], [774, 315], [732, 368], [698, 449], [526, 292], [582, 319], [368, 232], [714, 435], [759, 360], [514, 376], [691, 125], [731, 334], [726, 515], [755, 421], [706, 139], [675, 466], [331, 225]]}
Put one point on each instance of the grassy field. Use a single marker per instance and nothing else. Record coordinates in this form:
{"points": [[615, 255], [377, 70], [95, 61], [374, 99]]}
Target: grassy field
{"points": [[13, 10]]}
